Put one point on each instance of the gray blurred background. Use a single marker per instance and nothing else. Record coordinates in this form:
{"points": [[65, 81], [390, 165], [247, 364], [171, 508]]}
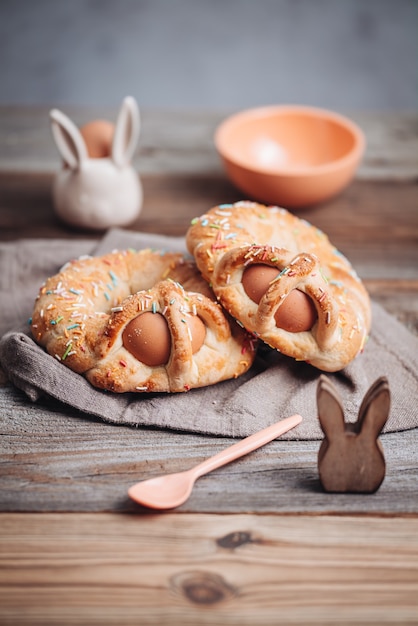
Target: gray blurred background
{"points": [[182, 54]]}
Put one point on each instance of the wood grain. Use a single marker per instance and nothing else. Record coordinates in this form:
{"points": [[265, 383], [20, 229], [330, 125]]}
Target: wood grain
{"points": [[54, 459], [174, 569], [360, 222], [181, 142]]}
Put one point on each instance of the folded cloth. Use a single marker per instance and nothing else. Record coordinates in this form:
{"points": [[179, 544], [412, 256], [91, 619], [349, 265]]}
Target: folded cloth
{"points": [[275, 387]]}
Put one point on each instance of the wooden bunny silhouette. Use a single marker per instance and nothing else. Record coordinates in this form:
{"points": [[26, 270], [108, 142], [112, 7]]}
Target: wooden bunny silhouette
{"points": [[351, 458], [97, 193]]}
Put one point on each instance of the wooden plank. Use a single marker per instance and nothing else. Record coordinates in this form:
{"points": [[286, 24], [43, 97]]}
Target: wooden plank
{"points": [[398, 297], [182, 141], [54, 459], [361, 221], [214, 569]]}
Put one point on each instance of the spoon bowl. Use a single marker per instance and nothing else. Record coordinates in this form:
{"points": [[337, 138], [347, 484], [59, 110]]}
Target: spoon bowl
{"points": [[172, 490], [163, 492]]}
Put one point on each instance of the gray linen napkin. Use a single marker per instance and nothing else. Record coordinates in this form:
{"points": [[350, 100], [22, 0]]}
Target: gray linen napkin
{"points": [[275, 387]]}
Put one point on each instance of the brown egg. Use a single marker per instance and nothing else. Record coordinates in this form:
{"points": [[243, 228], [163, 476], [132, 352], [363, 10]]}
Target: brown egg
{"points": [[296, 313], [98, 137], [148, 338], [256, 280], [197, 331]]}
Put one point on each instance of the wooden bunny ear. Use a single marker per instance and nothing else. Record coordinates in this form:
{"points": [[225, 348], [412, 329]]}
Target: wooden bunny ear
{"points": [[68, 139], [374, 410], [126, 132], [330, 410]]}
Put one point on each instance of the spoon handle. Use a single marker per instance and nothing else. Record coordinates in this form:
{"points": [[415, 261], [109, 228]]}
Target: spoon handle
{"points": [[246, 445]]}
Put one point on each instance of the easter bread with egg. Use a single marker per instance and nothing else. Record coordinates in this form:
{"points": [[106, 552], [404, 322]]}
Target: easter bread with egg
{"points": [[284, 281], [139, 322]]}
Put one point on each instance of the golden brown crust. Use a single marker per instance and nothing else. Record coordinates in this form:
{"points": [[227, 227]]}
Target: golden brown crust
{"points": [[228, 238], [81, 312]]}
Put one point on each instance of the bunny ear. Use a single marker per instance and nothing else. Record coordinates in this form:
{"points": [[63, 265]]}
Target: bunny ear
{"points": [[126, 132], [68, 139], [330, 410], [374, 410]]}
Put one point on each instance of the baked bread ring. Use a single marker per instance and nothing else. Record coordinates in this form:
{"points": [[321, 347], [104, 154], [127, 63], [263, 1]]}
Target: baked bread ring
{"points": [[284, 281], [141, 322]]}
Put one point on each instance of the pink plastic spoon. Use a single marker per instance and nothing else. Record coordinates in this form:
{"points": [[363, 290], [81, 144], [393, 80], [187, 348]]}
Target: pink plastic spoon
{"points": [[172, 490]]}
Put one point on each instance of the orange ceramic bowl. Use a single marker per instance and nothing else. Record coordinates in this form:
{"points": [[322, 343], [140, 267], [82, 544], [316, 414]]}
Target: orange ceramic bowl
{"points": [[292, 156]]}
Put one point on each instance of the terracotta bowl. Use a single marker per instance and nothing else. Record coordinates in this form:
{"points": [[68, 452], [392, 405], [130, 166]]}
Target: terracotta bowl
{"points": [[292, 156]]}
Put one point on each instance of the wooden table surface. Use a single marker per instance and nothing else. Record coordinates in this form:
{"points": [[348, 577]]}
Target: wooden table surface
{"points": [[75, 550]]}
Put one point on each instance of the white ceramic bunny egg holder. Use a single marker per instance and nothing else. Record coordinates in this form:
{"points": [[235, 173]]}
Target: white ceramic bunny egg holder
{"points": [[97, 193]]}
